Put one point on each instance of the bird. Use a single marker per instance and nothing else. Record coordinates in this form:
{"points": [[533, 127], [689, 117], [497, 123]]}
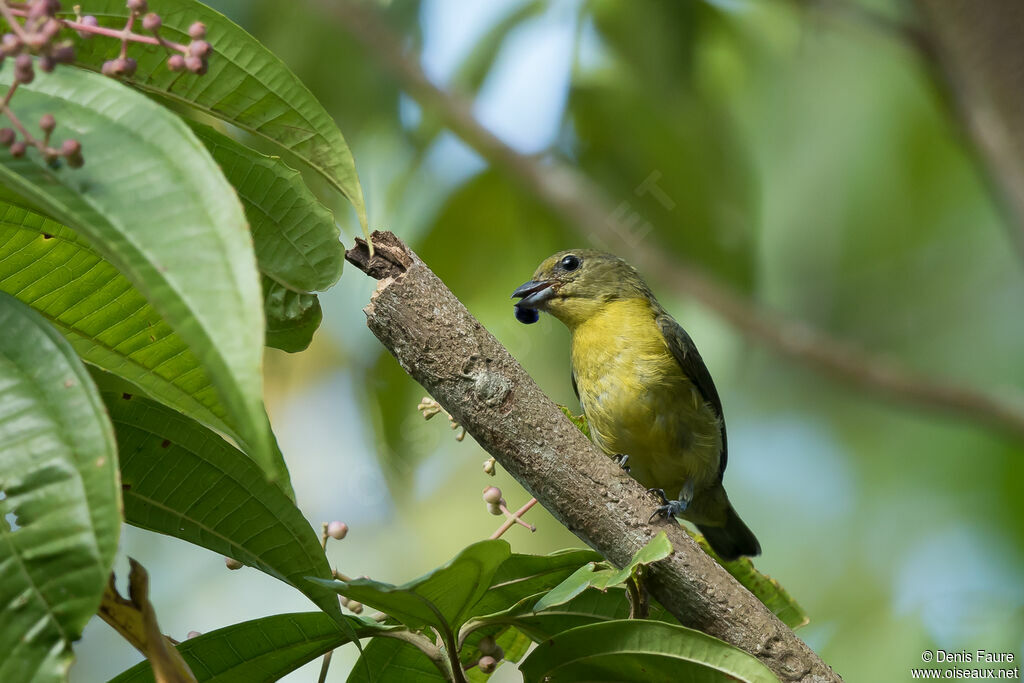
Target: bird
{"points": [[646, 392]]}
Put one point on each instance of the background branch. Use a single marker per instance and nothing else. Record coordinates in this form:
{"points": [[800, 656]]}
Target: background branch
{"points": [[442, 346], [584, 207], [978, 56]]}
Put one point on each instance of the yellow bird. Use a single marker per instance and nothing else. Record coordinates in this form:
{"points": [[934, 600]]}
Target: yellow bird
{"points": [[648, 397]]}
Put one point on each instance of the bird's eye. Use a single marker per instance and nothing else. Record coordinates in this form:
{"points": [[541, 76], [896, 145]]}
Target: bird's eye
{"points": [[570, 262]]}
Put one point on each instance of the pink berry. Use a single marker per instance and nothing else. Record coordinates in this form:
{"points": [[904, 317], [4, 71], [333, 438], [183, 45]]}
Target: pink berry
{"points": [[337, 530], [47, 123], [18, 149], [199, 48], [197, 30], [232, 564], [492, 495], [487, 664], [137, 5], [175, 63], [194, 64], [151, 22]]}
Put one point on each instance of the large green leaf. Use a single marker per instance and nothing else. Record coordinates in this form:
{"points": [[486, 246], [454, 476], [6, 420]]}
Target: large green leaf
{"points": [[183, 480], [591, 606], [153, 202], [444, 598], [247, 86], [603, 575], [295, 237], [521, 576], [49, 266], [640, 650], [59, 500], [387, 660], [260, 650]]}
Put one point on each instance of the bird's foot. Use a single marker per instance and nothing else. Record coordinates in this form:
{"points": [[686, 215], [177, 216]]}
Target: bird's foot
{"points": [[621, 459], [672, 508]]}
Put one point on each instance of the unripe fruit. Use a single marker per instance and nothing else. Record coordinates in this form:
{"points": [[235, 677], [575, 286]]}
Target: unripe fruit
{"points": [[23, 72], [199, 48], [18, 149], [10, 43], [192, 634], [232, 564], [88, 20], [355, 607], [175, 63], [72, 151], [151, 22], [492, 495], [137, 5], [494, 509], [47, 123], [489, 467], [64, 53], [47, 64], [487, 664], [487, 645], [6, 136], [194, 64], [337, 530], [197, 30]]}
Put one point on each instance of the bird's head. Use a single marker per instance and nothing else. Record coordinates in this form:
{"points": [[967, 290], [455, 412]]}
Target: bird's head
{"points": [[573, 285]]}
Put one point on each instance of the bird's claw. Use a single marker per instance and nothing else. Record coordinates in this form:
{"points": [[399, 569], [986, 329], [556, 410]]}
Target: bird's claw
{"points": [[669, 508], [621, 459]]}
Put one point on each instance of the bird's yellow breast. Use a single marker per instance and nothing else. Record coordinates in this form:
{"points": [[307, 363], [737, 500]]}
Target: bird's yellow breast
{"points": [[638, 400]]}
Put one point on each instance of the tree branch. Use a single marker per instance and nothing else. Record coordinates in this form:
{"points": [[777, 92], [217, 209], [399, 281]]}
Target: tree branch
{"points": [[978, 56], [584, 207], [439, 343]]}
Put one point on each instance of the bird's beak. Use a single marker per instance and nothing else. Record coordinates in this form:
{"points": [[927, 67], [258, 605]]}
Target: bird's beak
{"points": [[533, 294]]}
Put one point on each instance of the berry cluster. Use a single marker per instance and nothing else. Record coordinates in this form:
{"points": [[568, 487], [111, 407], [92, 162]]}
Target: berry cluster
{"points": [[33, 41]]}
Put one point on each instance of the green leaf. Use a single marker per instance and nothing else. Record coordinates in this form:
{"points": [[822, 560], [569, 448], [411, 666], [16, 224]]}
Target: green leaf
{"points": [[50, 267], [765, 588], [640, 650], [260, 650], [246, 85], [292, 317], [590, 606], [603, 575], [155, 205], [579, 421], [296, 241], [59, 501], [443, 598], [181, 479], [394, 661], [521, 576]]}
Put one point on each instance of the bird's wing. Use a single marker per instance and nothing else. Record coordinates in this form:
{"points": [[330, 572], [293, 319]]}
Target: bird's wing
{"points": [[575, 388], [686, 354]]}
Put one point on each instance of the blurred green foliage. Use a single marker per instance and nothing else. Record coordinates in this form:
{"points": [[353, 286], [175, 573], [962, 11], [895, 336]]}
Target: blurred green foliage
{"points": [[810, 162]]}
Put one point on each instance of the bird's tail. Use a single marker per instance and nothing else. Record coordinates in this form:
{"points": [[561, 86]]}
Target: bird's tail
{"points": [[733, 539]]}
